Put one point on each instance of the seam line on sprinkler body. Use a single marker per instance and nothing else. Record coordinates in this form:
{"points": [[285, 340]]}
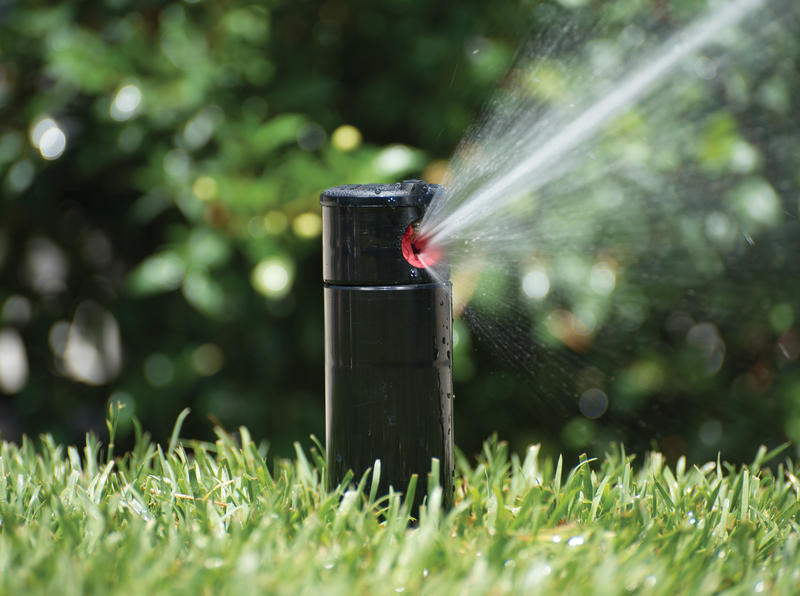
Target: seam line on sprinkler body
{"points": [[404, 286]]}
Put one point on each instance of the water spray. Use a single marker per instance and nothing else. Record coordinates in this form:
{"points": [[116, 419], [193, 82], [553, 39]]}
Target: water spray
{"points": [[542, 153], [388, 338]]}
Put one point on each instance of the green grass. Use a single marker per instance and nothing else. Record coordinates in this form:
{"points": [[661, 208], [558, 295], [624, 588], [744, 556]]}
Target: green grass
{"points": [[213, 518]]}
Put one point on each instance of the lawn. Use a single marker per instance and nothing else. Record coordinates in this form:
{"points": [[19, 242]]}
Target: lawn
{"points": [[214, 518]]}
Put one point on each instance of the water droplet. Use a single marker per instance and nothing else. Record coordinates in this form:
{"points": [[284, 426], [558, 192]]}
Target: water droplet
{"points": [[575, 541]]}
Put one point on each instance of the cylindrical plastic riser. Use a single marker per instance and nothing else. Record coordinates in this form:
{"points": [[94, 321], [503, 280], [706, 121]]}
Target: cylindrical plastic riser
{"points": [[388, 383]]}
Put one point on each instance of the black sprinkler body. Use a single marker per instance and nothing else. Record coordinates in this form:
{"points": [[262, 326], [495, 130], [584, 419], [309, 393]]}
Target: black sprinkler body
{"points": [[388, 340]]}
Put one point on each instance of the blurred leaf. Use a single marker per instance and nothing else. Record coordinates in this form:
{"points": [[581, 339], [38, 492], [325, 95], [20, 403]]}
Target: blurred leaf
{"points": [[158, 273], [207, 248], [275, 133], [204, 293]]}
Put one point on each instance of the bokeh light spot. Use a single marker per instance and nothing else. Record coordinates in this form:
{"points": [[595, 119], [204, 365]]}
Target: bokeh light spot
{"points": [[307, 225], [744, 157], [52, 143], [158, 370], [311, 137], [275, 222], [177, 164], [578, 432], [536, 284], [126, 103], [759, 201], [272, 277], [16, 309], [587, 319], [437, 172], [45, 266], [199, 130], [706, 338], [130, 138], [705, 68], [10, 143], [205, 188], [37, 130], [346, 137], [48, 138], [20, 175], [781, 317], [394, 160], [719, 227], [593, 403], [255, 227], [160, 272], [207, 359], [602, 279], [93, 351], [57, 337], [13, 362]]}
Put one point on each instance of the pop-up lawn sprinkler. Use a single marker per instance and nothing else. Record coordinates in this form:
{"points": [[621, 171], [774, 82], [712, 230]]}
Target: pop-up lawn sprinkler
{"points": [[388, 338]]}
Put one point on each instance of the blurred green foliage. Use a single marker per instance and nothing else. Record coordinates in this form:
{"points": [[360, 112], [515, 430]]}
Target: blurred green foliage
{"points": [[161, 165]]}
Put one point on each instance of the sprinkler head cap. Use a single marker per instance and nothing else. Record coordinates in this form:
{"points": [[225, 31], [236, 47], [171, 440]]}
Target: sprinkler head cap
{"points": [[409, 193], [365, 233]]}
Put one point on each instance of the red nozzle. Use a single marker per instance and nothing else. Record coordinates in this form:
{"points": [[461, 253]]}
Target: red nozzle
{"points": [[417, 251]]}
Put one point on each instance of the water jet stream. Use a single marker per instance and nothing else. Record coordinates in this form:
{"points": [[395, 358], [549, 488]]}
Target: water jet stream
{"points": [[547, 160]]}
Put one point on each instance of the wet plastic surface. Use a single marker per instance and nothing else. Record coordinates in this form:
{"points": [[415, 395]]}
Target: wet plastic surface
{"points": [[388, 342], [388, 381], [363, 232]]}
